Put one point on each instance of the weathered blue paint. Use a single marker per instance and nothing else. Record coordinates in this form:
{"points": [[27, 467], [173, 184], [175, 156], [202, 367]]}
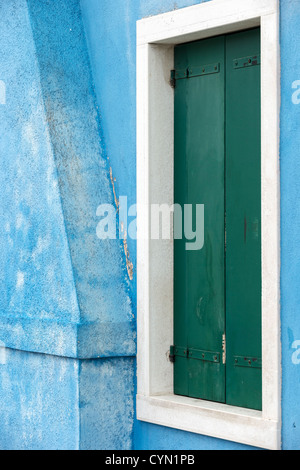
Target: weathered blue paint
{"points": [[67, 130], [56, 403], [106, 404], [58, 279], [113, 25], [35, 267], [65, 294], [290, 222], [39, 397], [83, 172]]}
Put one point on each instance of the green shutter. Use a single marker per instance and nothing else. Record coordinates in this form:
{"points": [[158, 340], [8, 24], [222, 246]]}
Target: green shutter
{"points": [[243, 220], [217, 290], [199, 179]]}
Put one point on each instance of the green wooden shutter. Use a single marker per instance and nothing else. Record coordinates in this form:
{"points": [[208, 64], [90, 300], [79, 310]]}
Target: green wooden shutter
{"points": [[243, 220], [217, 290], [199, 179]]}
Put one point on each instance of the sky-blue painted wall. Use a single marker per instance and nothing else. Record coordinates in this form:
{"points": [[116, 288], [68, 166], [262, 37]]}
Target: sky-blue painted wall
{"points": [[58, 280], [290, 221], [39, 397], [66, 315], [35, 267], [68, 302], [110, 31], [58, 403]]}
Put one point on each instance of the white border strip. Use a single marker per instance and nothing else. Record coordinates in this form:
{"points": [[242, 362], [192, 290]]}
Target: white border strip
{"points": [[195, 22], [218, 421]]}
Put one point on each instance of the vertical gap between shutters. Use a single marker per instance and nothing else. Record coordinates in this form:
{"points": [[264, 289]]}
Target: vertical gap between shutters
{"points": [[187, 287], [225, 205]]}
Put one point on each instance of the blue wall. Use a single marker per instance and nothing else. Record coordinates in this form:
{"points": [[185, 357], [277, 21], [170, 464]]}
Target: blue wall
{"points": [[106, 404], [35, 267], [112, 24], [39, 397], [58, 280], [68, 300], [65, 294], [290, 221], [57, 403]]}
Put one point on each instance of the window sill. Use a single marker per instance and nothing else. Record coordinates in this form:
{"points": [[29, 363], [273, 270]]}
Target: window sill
{"points": [[210, 419]]}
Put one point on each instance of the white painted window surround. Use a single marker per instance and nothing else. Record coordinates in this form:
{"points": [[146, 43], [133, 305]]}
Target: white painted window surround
{"points": [[156, 403]]}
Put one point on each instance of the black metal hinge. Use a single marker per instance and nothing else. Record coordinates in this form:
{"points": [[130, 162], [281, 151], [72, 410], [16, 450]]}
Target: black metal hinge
{"points": [[197, 354], [191, 72], [173, 79], [246, 62], [252, 362], [172, 355]]}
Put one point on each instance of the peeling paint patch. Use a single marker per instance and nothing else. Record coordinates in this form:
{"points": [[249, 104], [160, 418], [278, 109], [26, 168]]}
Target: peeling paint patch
{"points": [[112, 179], [129, 264]]}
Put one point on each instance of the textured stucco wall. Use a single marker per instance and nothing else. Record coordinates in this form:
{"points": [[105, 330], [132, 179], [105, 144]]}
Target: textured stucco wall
{"points": [[39, 397], [107, 404], [57, 403], [36, 279], [290, 221], [83, 171], [65, 294], [58, 280]]}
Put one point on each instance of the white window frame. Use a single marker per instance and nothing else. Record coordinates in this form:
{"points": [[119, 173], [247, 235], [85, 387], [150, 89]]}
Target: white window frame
{"points": [[156, 403]]}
